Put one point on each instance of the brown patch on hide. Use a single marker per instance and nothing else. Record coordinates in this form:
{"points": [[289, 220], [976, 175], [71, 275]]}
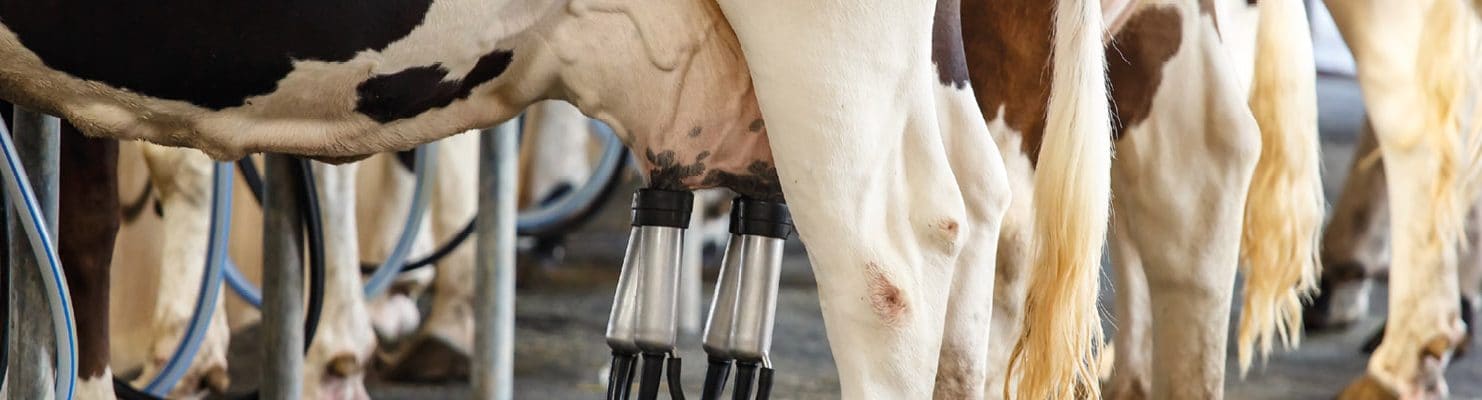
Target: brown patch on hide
{"points": [[88, 219], [1135, 60], [1008, 54], [886, 299]]}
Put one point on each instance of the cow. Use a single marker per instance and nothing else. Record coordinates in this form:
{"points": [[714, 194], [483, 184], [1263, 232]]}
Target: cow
{"points": [[866, 103], [1203, 177]]}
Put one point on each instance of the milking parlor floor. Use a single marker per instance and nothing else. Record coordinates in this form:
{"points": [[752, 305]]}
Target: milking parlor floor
{"points": [[562, 311]]}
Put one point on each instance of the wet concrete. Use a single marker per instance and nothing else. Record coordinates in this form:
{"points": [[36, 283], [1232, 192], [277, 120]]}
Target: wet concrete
{"points": [[562, 313]]}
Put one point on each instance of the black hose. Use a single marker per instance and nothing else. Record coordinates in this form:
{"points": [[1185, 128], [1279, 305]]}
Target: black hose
{"points": [[612, 375], [443, 251], [554, 229], [715, 378], [676, 386], [251, 177], [745, 374], [314, 222], [653, 371], [624, 375], [764, 384]]}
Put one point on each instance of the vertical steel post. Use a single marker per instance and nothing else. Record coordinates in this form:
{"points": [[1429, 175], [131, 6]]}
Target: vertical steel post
{"points": [[494, 288], [32, 344], [282, 281]]}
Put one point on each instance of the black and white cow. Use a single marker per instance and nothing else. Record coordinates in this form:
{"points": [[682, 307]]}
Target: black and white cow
{"points": [[871, 131]]}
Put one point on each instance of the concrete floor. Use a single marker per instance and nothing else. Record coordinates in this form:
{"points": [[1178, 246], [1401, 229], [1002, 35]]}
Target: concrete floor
{"points": [[562, 313]]}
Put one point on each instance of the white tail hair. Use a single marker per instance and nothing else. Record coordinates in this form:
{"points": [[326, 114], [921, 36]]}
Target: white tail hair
{"points": [[1056, 354], [1284, 211]]}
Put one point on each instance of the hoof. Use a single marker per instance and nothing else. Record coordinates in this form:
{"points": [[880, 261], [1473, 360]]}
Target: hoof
{"points": [[1367, 388], [1342, 299], [429, 359]]}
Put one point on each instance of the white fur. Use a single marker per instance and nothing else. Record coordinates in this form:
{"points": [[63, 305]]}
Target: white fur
{"points": [[344, 328], [1180, 179], [95, 388], [1409, 56], [1014, 255]]}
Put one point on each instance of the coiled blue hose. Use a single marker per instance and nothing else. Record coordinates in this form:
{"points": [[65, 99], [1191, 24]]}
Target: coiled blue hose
{"points": [[19, 192]]}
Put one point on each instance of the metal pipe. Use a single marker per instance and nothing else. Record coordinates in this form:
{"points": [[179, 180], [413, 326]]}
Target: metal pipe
{"points": [[283, 282], [494, 303], [718, 326], [37, 139], [756, 302], [659, 259]]}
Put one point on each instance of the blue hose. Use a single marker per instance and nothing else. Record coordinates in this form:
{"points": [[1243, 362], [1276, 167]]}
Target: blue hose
{"points": [[547, 218], [19, 192], [426, 161], [239, 284], [216, 254]]}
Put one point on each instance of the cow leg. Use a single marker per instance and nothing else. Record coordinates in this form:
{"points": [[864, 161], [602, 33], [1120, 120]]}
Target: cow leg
{"points": [[1355, 247], [88, 215], [866, 175], [1131, 375], [1408, 56], [979, 170], [440, 349], [385, 195], [183, 179], [1180, 178], [1015, 256], [334, 366]]}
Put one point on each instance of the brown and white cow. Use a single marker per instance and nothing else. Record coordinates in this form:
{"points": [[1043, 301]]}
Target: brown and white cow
{"points": [[1196, 162]]}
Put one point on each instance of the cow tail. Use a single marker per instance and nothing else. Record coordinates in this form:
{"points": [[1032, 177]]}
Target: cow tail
{"points": [[1284, 211], [1055, 356]]}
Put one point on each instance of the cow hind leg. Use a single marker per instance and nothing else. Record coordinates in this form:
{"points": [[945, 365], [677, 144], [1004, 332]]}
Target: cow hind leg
{"points": [[1412, 93], [88, 217], [441, 347], [334, 368], [1131, 375], [1012, 272], [183, 180], [1181, 178], [867, 178], [1356, 243], [980, 172]]}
